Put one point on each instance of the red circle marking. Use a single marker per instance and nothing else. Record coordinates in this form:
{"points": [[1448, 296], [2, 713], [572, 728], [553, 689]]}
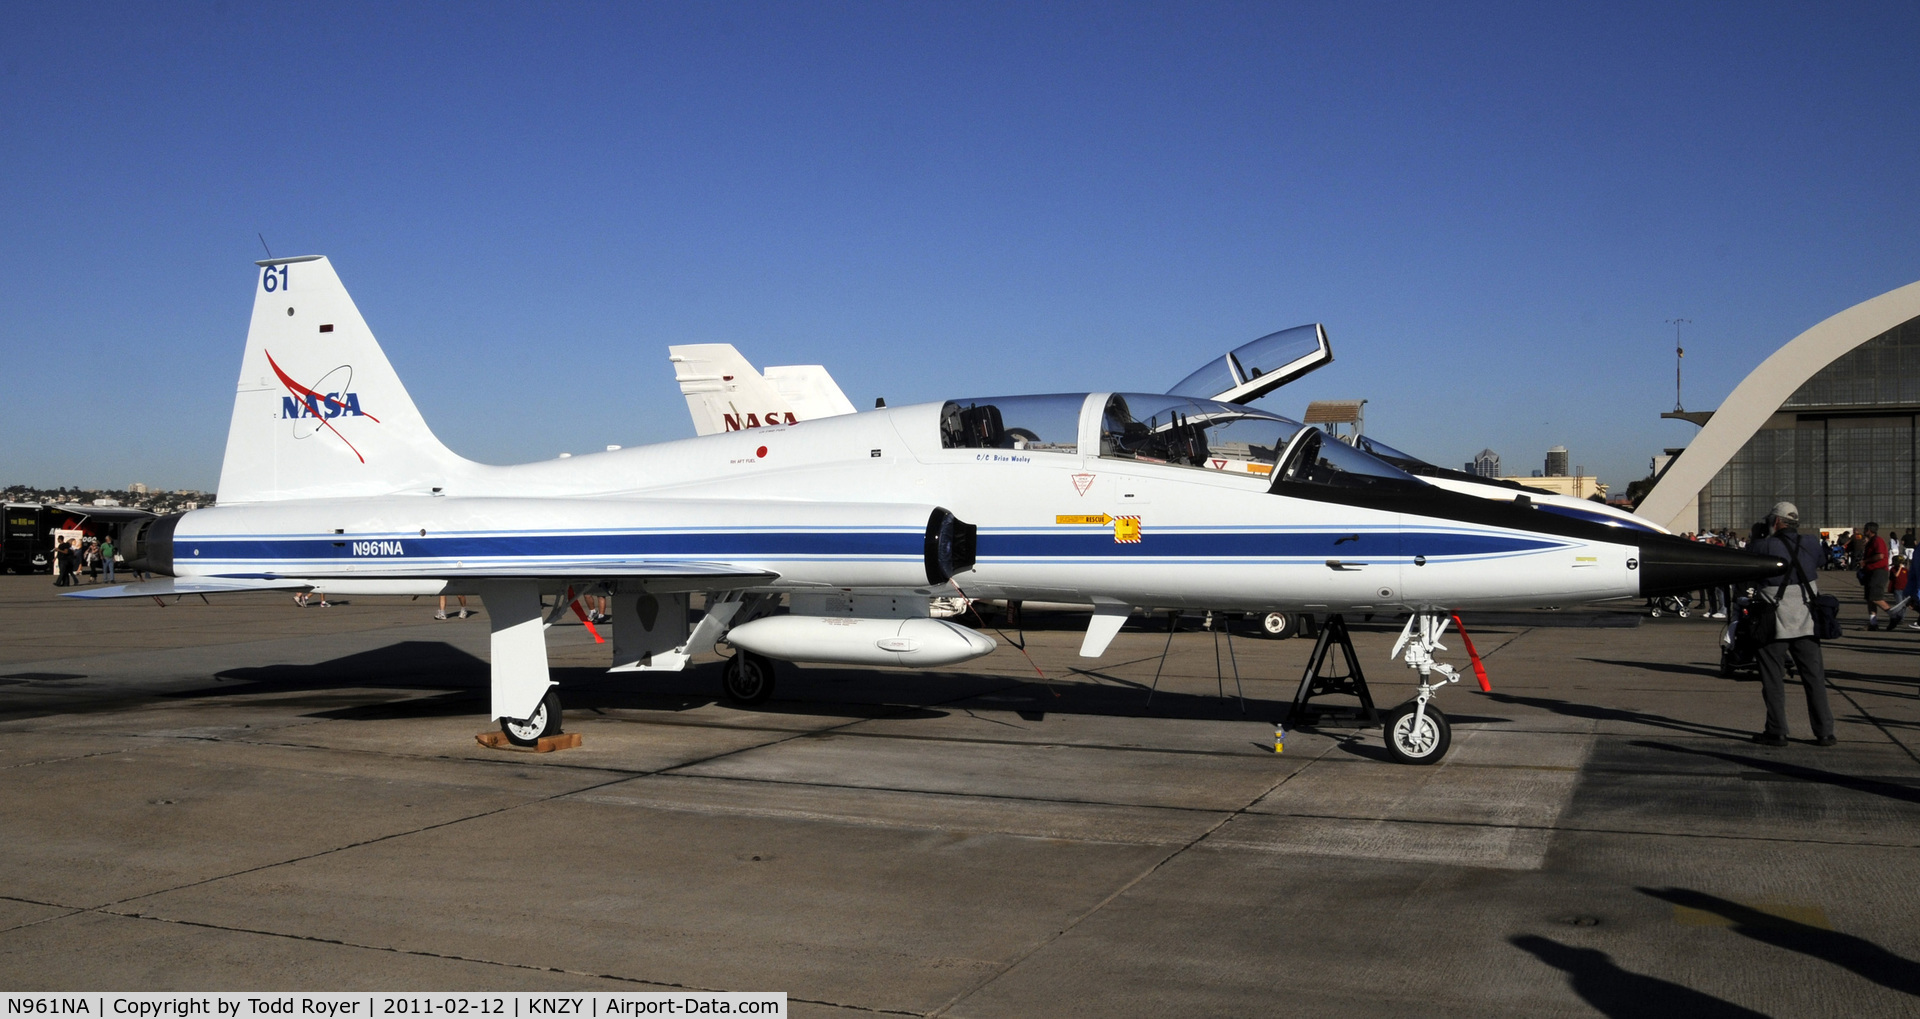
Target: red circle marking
{"points": [[761, 452]]}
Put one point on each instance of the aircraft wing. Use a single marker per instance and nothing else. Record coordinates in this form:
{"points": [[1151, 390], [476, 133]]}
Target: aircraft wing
{"points": [[188, 585], [104, 512], [711, 576]]}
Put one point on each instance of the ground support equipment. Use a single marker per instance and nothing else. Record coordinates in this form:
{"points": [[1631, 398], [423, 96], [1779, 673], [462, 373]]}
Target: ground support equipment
{"points": [[1315, 682], [543, 745]]}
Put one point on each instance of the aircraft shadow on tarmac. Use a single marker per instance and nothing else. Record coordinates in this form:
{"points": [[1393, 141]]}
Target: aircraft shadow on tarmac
{"points": [[1859, 955], [1676, 667], [412, 664], [1575, 709], [17, 678], [1834, 675], [1882, 649], [1613, 991], [410, 667], [1856, 783]]}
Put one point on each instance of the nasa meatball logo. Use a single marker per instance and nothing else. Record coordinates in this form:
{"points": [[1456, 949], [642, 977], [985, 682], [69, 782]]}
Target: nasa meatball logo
{"points": [[314, 409]]}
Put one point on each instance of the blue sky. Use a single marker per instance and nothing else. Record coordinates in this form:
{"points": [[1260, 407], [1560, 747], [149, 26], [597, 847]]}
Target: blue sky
{"points": [[1493, 208]]}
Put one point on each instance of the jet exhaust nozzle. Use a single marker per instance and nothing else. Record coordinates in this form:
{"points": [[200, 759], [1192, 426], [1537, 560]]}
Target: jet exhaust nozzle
{"points": [[1676, 565], [148, 543]]}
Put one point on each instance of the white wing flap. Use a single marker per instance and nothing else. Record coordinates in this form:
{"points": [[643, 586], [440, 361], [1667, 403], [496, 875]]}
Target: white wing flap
{"points": [[190, 585]]}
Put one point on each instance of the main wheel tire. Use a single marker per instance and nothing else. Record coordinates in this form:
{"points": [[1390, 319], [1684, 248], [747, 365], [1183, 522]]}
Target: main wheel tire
{"points": [[747, 678], [1278, 625], [1426, 745], [545, 721], [1726, 664]]}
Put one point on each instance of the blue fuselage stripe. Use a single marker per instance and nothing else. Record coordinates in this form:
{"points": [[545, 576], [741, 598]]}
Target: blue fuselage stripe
{"points": [[1262, 544], [748, 546]]}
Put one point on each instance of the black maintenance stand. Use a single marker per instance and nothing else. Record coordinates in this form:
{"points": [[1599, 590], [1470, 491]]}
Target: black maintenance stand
{"points": [[1317, 682]]}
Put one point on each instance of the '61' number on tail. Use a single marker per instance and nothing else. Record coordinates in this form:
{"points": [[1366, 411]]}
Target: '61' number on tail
{"points": [[275, 278]]}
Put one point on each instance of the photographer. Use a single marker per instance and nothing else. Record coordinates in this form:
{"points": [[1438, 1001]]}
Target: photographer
{"points": [[1790, 595]]}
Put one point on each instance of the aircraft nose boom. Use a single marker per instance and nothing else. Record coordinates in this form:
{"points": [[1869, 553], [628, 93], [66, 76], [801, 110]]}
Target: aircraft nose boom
{"points": [[1677, 565]]}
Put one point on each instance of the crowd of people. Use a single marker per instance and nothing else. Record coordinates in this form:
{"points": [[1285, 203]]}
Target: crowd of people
{"points": [[1881, 563], [75, 558]]}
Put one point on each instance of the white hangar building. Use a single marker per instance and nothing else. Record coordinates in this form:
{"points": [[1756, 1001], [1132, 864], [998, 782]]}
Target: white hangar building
{"points": [[1828, 423]]}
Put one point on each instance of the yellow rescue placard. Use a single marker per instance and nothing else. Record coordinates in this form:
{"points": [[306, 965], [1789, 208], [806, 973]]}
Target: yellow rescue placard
{"points": [[1126, 530]]}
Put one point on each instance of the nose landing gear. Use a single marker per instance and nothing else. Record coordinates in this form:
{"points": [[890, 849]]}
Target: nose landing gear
{"points": [[1417, 732]]}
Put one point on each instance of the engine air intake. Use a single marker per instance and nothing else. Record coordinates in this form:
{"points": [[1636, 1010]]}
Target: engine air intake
{"points": [[949, 546]]}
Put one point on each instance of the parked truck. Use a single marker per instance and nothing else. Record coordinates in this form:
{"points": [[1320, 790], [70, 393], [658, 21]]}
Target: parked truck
{"points": [[27, 543]]}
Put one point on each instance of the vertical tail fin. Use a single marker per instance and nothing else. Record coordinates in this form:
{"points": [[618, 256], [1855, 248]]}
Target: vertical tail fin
{"points": [[810, 389], [319, 411], [723, 392]]}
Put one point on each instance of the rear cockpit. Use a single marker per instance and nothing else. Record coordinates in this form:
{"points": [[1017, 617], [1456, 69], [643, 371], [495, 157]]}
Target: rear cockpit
{"points": [[1161, 429], [1046, 424]]}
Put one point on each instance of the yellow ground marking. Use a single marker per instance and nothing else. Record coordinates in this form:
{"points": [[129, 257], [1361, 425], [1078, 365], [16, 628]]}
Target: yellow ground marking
{"points": [[1789, 912]]}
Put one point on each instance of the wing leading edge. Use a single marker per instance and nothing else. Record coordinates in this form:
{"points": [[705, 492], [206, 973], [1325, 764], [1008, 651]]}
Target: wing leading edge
{"points": [[717, 576]]}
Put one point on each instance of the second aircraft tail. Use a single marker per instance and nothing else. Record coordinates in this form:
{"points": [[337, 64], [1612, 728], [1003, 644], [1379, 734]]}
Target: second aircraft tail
{"points": [[725, 394]]}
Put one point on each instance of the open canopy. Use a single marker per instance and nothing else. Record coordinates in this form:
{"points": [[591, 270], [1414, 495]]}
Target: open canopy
{"points": [[1253, 370]]}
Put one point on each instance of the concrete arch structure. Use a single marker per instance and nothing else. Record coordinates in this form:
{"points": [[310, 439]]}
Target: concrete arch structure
{"points": [[1674, 502]]}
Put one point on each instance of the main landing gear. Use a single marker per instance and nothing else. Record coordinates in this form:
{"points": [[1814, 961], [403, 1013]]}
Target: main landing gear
{"points": [[747, 678], [1279, 625], [1416, 732], [545, 721]]}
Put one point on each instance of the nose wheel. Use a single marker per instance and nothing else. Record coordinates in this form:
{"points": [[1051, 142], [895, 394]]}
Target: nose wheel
{"points": [[1417, 736], [545, 721]]}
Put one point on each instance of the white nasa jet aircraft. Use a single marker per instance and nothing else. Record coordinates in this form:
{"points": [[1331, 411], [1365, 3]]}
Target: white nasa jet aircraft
{"points": [[331, 479]]}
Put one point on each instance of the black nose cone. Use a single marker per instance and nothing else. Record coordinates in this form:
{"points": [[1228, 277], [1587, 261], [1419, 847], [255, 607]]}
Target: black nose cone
{"points": [[1676, 565]]}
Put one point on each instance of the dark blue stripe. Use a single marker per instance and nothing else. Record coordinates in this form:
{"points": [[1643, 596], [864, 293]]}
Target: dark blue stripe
{"points": [[1261, 544], [745, 545]]}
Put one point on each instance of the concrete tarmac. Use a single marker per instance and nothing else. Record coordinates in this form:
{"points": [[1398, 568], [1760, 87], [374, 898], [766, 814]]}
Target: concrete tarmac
{"points": [[251, 796]]}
